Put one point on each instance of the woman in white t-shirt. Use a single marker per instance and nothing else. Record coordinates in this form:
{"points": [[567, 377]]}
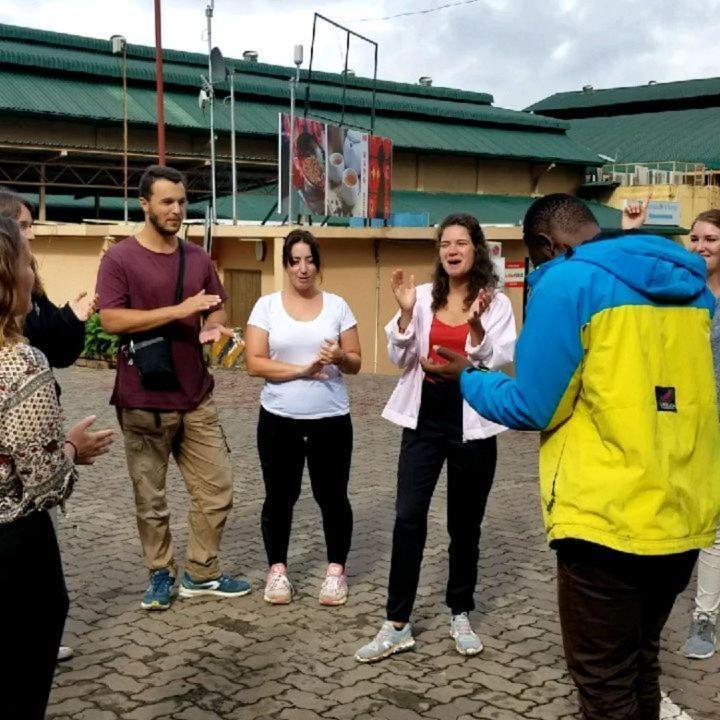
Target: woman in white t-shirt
{"points": [[302, 340]]}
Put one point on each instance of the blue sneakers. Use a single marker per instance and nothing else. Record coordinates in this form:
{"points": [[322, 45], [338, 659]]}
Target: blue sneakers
{"points": [[160, 592], [223, 586]]}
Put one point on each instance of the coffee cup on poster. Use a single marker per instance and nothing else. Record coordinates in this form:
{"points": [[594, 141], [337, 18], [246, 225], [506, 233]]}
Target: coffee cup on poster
{"points": [[337, 167], [350, 188]]}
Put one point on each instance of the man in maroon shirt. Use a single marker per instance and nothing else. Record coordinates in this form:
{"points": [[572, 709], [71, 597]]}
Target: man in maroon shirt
{"points": [[137, 300]]}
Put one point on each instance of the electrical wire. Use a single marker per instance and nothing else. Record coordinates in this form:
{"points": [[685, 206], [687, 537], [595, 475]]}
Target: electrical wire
{"points": [[419, 12]]}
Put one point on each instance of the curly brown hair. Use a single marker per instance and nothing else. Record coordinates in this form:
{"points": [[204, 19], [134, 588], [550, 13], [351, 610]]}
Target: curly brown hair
{"points": [[11, 246], [482, 273]]}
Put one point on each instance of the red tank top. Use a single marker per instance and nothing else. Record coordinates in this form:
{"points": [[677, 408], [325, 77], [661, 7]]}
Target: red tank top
{"points": [[452, 337]]}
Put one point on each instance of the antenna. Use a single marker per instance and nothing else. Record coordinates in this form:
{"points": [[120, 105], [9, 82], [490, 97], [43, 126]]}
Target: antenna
{"points": [[211, 93]]}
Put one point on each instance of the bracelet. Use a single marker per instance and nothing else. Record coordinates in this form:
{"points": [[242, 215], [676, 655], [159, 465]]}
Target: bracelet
{"points": [[74, 447]]}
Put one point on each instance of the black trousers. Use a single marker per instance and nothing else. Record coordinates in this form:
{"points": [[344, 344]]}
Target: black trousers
{"points": [[470, 471], [32, 616], [283, 445], [613, 607]]}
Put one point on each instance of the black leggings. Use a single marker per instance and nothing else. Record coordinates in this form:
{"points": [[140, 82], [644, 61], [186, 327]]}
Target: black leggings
{"points": [[32, 616], [470, 471], [283, 445]]}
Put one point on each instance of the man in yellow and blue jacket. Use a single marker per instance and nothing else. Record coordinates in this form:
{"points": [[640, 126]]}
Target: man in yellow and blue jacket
{"points": [[614, 368]]}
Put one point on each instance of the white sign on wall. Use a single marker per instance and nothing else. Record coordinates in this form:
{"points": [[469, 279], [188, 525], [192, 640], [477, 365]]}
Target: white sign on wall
{"points": [[661, 212], [498, 261]]}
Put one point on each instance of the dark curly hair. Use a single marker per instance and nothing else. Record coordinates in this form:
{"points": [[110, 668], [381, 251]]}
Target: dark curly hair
{"points": [[559, 210], [482, 273]]}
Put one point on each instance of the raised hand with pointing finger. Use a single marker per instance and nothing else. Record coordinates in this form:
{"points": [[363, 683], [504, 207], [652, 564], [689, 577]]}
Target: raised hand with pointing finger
{"points": [[635, 214]]}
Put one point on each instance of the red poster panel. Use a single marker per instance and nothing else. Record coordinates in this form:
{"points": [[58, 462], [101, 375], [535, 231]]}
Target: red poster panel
{"points": [[379, 177]]}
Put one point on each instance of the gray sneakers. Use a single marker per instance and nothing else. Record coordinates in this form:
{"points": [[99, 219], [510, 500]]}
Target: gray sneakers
{"points": [[700, 644], [466, 641], [391, 640], [387, 642]]}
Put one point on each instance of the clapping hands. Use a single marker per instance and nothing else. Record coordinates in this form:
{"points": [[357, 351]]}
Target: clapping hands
{"points": [[331, 353], [481, 304]]}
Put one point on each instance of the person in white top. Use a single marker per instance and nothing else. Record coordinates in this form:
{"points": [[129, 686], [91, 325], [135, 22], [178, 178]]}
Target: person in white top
{"points": [[302, 340], [462, 309]]}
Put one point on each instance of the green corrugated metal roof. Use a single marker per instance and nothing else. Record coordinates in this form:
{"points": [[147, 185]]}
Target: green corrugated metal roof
{"points": [[60, 75], [24, 57], [257, 205], [681, 90], [32, 40], [26, 93], [495, 209], [681, 136], [488, 209], [253, 86]]}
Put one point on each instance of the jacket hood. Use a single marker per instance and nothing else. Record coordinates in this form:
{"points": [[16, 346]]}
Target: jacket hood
{"points": [[653, 266]]}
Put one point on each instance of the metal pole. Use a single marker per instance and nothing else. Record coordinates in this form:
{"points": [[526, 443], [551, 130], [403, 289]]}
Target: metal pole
{"points": [[125, 135], [291, 149], [209, 14], [42, 197], [232, 147], [159, 85]]}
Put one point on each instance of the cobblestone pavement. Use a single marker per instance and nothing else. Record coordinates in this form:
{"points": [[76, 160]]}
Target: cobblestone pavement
{"points": [[209, 659]]}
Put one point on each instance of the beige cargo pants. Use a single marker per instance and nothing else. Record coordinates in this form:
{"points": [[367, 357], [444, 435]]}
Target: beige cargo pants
{"points": [[196, 441]]}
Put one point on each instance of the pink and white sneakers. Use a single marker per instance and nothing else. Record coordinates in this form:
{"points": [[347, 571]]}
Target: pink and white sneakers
{"points": [[334, 590]]}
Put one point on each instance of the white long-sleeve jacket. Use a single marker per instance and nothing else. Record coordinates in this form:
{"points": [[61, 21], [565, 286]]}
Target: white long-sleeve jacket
{"points": [[405, 350]]}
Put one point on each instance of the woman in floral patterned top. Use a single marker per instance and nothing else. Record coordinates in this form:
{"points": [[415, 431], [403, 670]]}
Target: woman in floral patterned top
{"points": [[37, 472]]}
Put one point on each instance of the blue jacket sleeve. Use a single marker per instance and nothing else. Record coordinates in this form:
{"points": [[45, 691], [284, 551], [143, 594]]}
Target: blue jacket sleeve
{"points": [[548, 360]]}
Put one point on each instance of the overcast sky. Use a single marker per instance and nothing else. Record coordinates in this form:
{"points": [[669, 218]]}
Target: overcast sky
{"points": [[517, 50]]}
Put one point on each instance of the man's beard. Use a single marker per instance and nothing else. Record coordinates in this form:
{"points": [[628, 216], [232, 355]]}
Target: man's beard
{"points": [[161, 230]]}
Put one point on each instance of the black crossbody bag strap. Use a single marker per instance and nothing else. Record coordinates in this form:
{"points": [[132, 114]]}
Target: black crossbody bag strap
{"points": [[181, 273]]}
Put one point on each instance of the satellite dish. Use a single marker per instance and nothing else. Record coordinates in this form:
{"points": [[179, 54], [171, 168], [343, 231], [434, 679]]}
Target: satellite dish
{"points": [[218, 68], [203, 98]]}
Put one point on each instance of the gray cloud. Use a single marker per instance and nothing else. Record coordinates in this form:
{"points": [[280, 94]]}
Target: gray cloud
{"points": [[518, 50]]}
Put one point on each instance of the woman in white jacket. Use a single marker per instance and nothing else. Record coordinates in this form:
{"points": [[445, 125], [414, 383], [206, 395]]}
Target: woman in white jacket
{"points": [[460, 309]]}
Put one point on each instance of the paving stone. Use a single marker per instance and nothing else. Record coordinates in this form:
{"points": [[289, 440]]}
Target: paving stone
{"points": [[196, 713], [156, 711], [96, 715], [295, 714], [306, 701], [121, 683], [71, 706]]}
